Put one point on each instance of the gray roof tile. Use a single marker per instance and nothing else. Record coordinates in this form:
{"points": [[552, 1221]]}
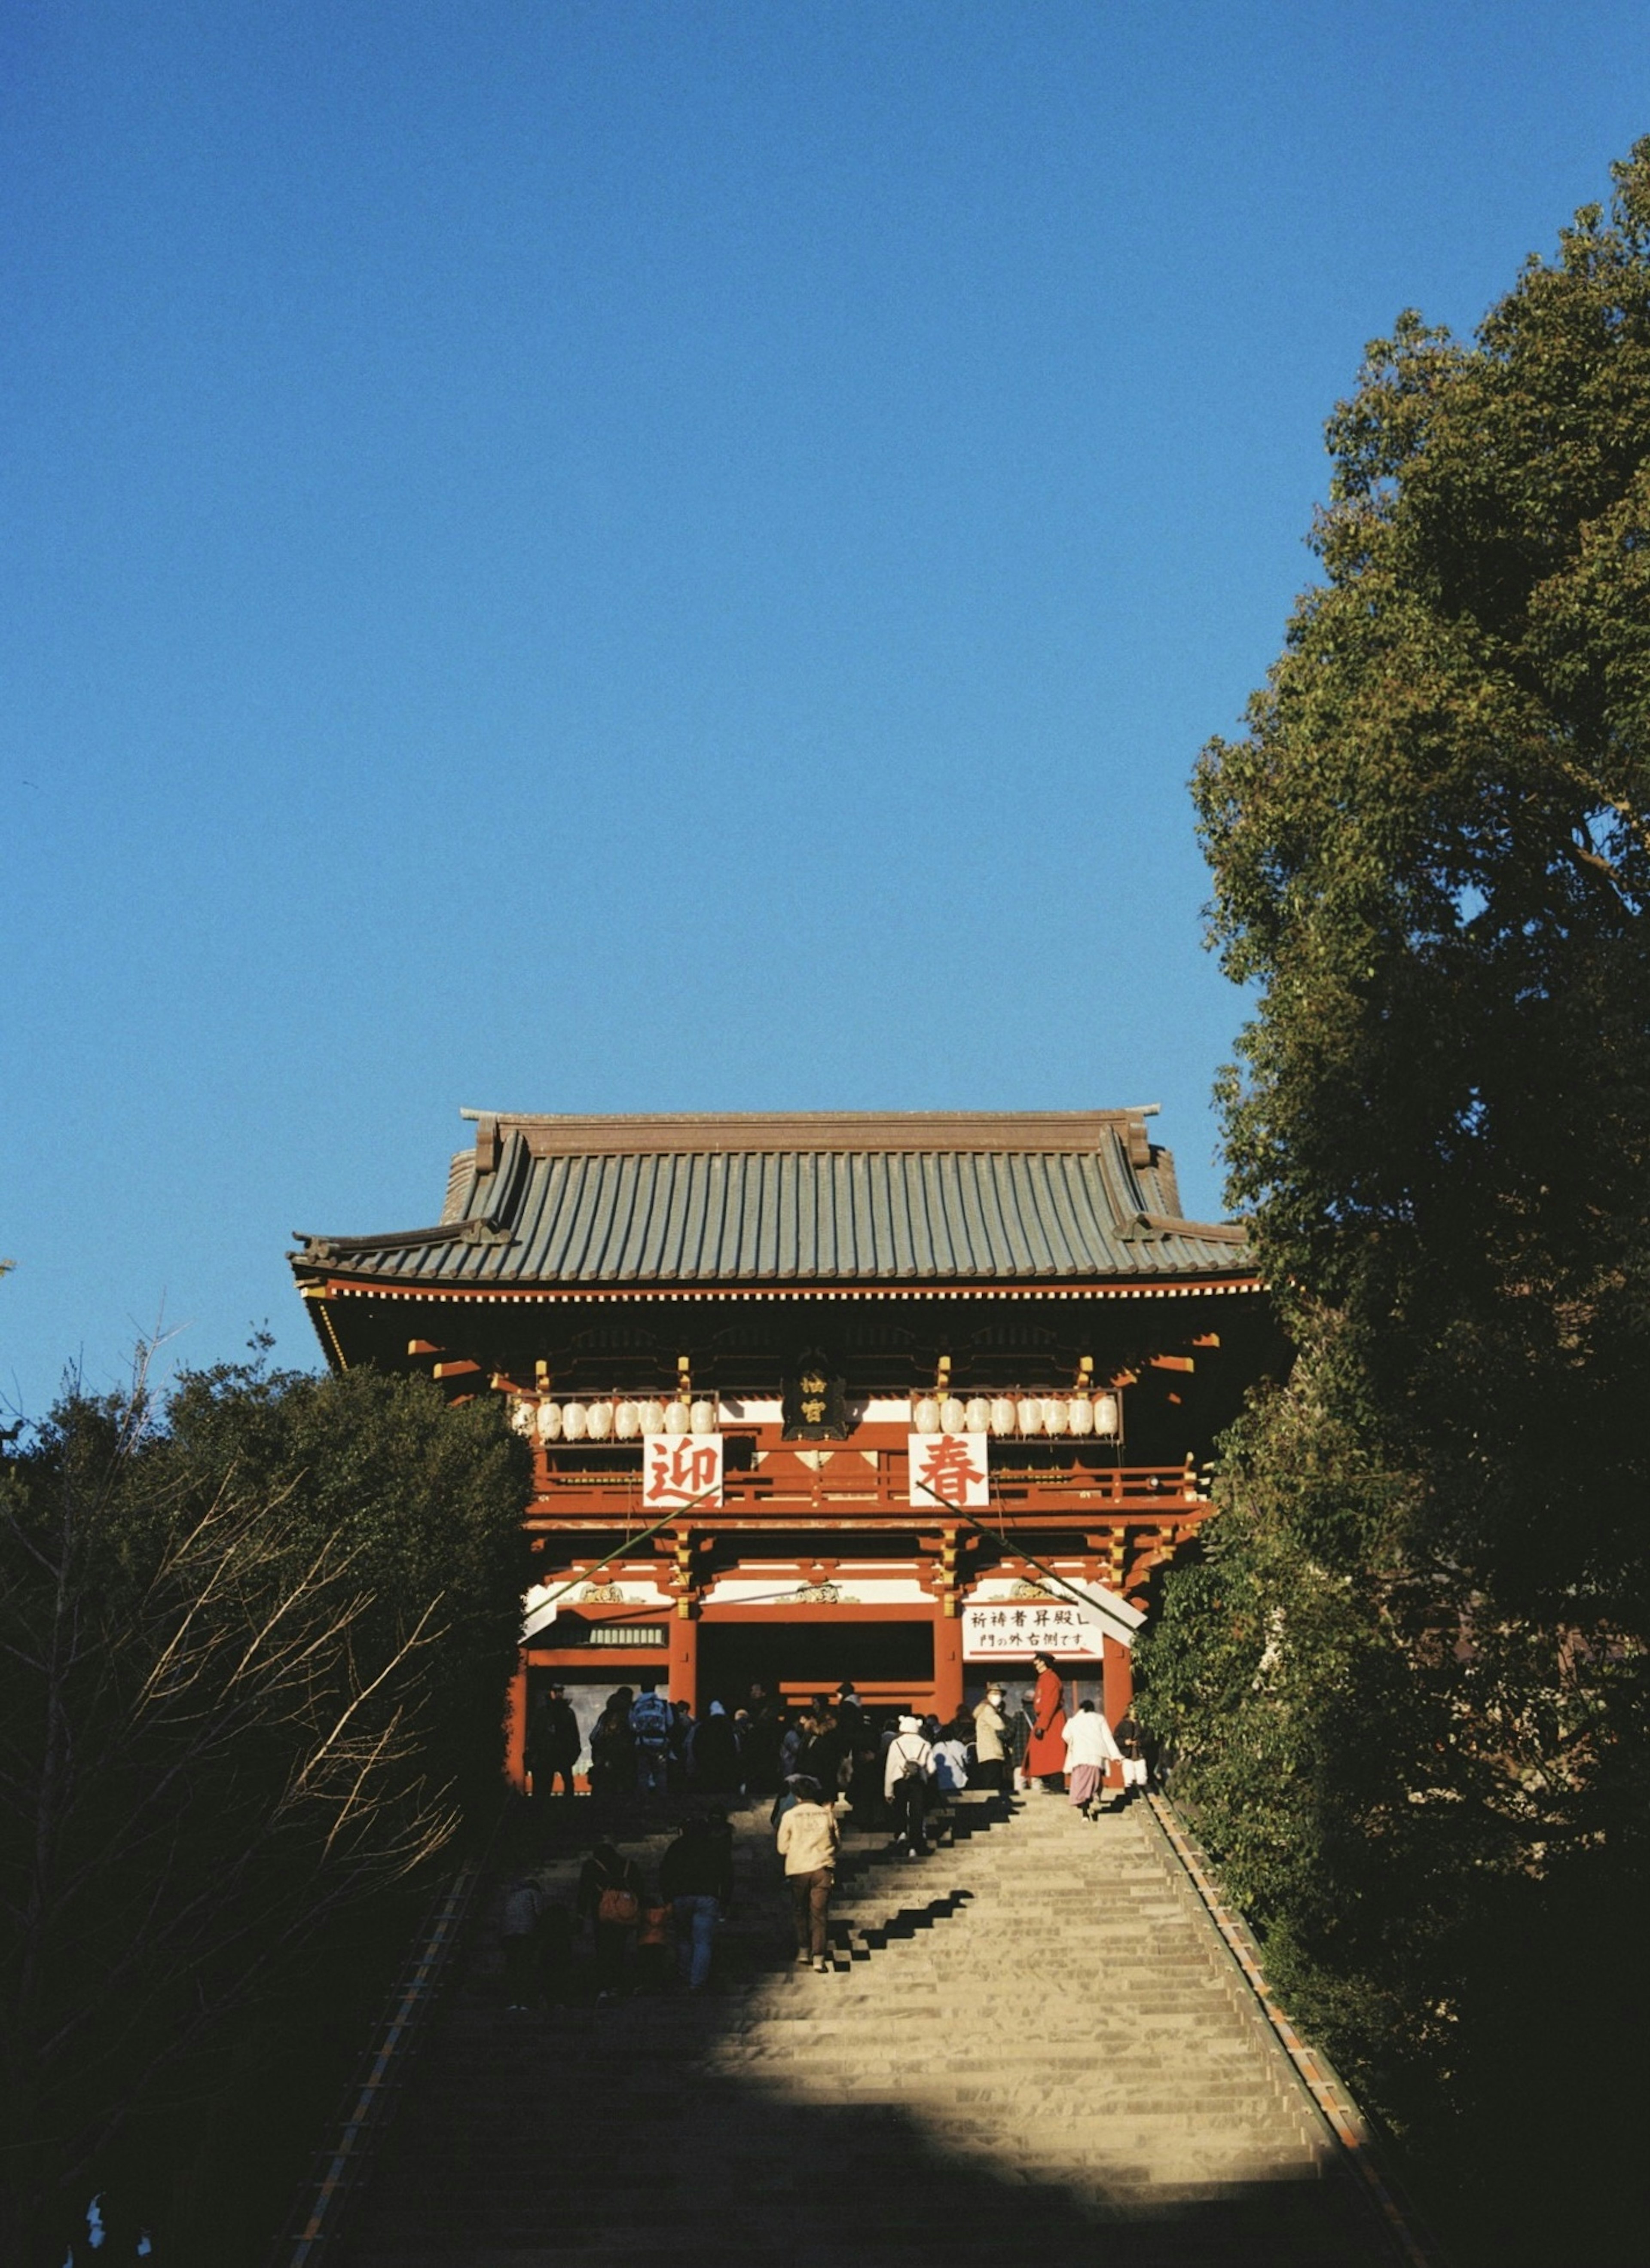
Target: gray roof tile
{"points": [[847, 1199]]}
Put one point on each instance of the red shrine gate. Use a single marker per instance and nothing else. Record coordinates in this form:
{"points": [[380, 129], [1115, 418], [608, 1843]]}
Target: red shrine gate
{"points": [[899, 1399]]}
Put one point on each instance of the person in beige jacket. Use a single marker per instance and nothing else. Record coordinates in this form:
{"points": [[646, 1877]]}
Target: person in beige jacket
{"points": [[989, 1726], [808, 1841]]}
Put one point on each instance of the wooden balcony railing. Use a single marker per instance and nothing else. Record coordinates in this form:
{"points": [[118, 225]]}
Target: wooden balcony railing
{"points": [[850, 1484]]}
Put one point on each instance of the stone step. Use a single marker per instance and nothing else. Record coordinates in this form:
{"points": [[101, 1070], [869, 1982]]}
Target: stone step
{"points": [[1027, 2039]]}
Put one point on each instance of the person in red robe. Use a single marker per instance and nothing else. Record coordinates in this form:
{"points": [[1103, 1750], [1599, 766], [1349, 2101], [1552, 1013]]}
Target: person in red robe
{"points": [[1045, 1752]]}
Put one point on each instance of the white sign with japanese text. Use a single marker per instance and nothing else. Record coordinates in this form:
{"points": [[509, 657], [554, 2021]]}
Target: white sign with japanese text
{"points": [[1057, 1627], [679, 1470], [949, 1468]]}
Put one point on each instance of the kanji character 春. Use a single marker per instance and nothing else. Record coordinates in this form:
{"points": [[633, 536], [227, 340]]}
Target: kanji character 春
{"points": [[947, 1470]]}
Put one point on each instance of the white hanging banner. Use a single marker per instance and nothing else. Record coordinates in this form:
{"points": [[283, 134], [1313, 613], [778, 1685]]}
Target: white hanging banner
{"points": [[1060, 1629], [948, 1468], [680, 1470]]}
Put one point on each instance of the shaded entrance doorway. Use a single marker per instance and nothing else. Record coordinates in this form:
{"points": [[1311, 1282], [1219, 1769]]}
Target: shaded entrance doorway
{"points": [[888, 1661]]}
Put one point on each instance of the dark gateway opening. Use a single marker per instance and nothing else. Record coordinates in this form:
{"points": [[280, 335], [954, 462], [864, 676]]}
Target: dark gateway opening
{"points": [[888, 1660]]}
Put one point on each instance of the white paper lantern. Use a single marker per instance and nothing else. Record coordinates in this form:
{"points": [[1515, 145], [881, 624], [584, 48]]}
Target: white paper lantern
{"points": [[523, 1416], [572, 1421], [1107, 1417], [599, 1420], [1004, 1415], [1030, 1414], [953, 1417], [627, 1422], [925, 1417], [977, 1418], [1053, 1413], [652, 1417], [1080, 1414], [549, 1421], [678, 1419], [704, 1417]]}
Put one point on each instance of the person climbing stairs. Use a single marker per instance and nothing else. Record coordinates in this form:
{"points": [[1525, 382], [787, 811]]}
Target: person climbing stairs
{"points": [[1032, 2047]]}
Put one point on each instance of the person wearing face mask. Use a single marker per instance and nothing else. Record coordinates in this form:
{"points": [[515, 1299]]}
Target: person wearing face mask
{"points": [[991, 1733]]}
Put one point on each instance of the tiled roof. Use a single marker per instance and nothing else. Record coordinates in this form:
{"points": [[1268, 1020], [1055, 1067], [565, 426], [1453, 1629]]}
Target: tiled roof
{"points": [[836, 1198]]}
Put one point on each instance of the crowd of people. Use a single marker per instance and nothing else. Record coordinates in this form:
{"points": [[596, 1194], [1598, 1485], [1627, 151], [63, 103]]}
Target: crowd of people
{"points": [[887, 1772], [642, 1744]]}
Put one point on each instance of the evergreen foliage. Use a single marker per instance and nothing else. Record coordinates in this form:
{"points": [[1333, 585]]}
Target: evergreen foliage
{"points": [[252, 1653], [1406, 1686]]}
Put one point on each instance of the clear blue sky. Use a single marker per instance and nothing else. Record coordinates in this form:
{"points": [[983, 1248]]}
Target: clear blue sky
{"points": [[657, 556]]}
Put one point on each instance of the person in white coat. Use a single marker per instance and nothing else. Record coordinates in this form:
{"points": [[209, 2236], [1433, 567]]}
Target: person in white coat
{"points": [[906, 1771], [1089, 1748]]}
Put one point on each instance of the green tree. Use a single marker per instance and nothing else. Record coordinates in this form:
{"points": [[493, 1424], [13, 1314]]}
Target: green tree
{"points": [[426, 1496], [253, 1647], [1408, 1683]]}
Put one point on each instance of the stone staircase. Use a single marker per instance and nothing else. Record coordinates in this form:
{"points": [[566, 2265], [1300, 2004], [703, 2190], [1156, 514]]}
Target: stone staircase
{"points": [[1033, 2048]]}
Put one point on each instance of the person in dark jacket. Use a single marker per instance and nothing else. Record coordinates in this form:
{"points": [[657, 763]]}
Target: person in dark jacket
{"points": [[760, 1757], [796, 1730], [1130, 1735], [613, 1748], [682, 1732], [696, 1875], [553, 1742], [610, 1899], [825, 1757], [715, 1753], [864, 1763], [1017, 1734], [517, 1928]]}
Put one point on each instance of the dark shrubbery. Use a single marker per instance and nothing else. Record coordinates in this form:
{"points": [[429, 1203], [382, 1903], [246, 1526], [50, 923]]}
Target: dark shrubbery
{"points": [[253, 1649]]}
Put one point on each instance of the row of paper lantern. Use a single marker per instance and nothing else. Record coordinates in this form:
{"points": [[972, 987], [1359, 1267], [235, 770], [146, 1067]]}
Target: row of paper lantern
{"points": [[612, 1421], [1002, 1414], [1024, 1413]]}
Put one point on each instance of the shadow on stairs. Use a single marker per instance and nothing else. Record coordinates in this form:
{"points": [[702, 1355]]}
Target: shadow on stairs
{"points": [[1041, 2063]]}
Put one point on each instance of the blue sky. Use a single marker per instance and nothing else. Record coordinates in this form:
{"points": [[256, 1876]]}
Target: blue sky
{"points": [[638, 557]]}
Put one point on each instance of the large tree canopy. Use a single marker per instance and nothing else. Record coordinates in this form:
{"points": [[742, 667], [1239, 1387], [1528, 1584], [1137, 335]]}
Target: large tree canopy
{"points": [[1408, 1684], [1432, 853]]}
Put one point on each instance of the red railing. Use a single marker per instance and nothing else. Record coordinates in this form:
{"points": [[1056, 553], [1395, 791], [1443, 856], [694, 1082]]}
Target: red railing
{"points": [[847, 1480]]}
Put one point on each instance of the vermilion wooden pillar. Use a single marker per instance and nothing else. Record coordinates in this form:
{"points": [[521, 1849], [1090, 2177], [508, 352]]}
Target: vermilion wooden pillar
{"points": [[1117, 1692], [515, 1727], [684, 1656], [947, 1667]]}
